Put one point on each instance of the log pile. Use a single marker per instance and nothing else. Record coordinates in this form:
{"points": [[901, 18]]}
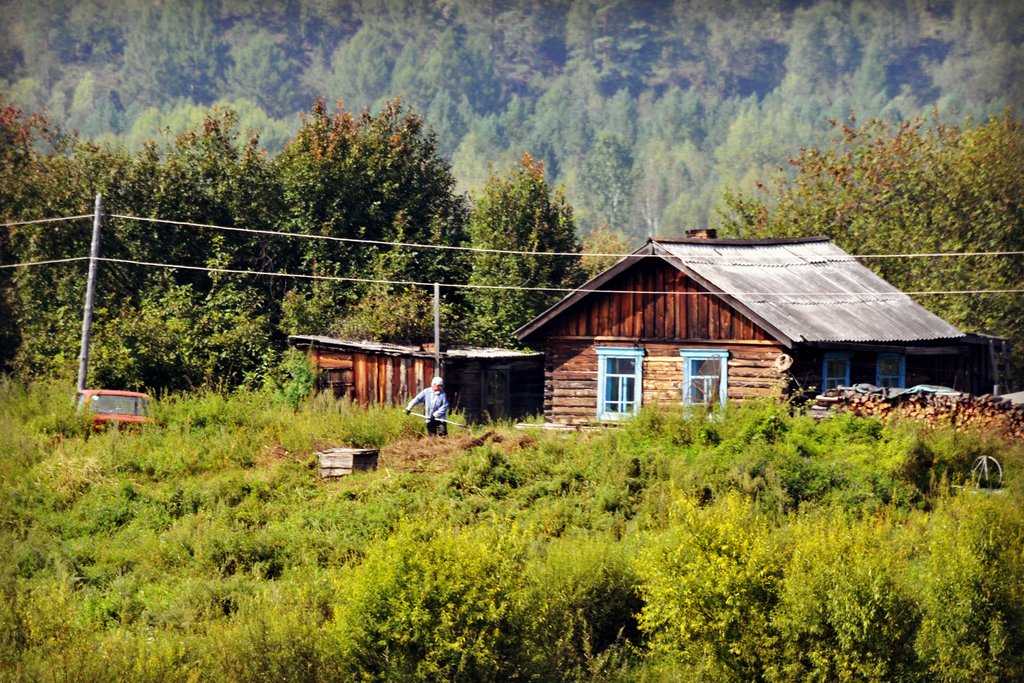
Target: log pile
{"points": [[961, 411]]}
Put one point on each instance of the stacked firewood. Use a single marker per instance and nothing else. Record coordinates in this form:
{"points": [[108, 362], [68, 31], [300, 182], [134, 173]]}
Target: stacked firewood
{"points": [[961, 411]]}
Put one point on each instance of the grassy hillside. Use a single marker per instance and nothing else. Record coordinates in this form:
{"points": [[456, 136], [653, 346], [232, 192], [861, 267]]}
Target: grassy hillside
{"points": [[753, 545]]}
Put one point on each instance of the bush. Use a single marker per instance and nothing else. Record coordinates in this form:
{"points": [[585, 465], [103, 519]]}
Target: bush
{"points": [[710, 583], [846, 612], [584, 602], [972, 591], [435, 605]]}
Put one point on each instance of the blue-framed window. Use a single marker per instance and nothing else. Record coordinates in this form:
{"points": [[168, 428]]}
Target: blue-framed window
{"points": [[891, 370], [835, 370], [619, 382], [705, 377]]}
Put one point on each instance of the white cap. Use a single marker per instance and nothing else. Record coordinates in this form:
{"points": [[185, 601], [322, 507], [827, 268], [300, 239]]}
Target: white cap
{"points": [[437, 380]]}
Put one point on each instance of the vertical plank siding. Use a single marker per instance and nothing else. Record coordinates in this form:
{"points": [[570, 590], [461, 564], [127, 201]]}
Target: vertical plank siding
{"points": [[631, 309], [369, 378]]}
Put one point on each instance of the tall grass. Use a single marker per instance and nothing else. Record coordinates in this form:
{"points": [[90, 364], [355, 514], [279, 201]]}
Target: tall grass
{"points": [[752, 545]]}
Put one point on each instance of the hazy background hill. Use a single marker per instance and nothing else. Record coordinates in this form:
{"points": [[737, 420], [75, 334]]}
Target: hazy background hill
{"points": [[644, 110]]}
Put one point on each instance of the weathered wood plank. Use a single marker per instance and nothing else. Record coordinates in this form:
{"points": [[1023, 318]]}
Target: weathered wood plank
{"points": [[341, 461]]}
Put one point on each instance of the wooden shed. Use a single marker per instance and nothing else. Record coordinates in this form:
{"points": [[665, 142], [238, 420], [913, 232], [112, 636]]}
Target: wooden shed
{"points": [[704, 320], [484, 384]]}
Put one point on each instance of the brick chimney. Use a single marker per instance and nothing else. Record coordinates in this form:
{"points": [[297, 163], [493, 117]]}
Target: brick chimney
{"points": [[702, 234]]}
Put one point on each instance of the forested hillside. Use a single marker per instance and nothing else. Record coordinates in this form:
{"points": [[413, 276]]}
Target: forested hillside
{"points": [[645, 110]]}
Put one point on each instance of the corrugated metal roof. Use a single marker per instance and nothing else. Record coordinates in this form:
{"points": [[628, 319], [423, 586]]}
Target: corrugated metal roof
{"points": [[808, 290]]}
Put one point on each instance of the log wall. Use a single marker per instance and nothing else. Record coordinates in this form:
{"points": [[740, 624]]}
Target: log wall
{"points": [[571, 374]]}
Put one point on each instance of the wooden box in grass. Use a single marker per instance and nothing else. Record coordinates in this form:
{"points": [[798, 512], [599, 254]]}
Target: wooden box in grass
{"points": [[338, 462]]}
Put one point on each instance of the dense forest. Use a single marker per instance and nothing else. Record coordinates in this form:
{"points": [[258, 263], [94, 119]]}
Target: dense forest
{"points": [[644, 110]]}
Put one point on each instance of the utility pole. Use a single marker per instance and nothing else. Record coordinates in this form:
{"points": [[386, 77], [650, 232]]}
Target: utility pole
{"points": [[437, 329], [90, 293]]}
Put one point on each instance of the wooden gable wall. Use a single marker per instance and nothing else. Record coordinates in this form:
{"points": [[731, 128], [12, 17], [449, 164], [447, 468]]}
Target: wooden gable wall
{"points": [[687, 311]]}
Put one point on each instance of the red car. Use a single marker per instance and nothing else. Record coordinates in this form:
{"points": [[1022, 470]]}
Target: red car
{"points": [[112, 406]]}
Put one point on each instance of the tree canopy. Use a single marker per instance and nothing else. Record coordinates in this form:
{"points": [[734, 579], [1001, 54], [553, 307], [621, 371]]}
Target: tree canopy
{"points": [[219, 251]]}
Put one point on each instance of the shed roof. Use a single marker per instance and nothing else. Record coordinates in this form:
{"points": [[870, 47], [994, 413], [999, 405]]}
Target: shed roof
{"points": [[799, 290], [403, 350]]}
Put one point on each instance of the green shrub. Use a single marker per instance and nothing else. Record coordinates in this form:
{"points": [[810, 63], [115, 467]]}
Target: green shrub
{"points": [[435, 605], [584, 603], [277, 635], [710, 583], [972, 590], [300, 378], [845, 611]]}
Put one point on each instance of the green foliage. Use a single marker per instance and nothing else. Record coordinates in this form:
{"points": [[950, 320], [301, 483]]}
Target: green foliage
{"points": [[681, 547], [518, 212], [432, 605], [371, 177], [971, 592], [709, 585], [375, 177], [583, 602], [552, 79], [846, 609], [606, 176], [300, 378]]}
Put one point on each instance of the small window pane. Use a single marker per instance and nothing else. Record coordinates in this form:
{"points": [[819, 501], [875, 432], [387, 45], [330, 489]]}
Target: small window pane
{"points": [[710, 367], [836, 370], [703, 378], [620, 389], [890, 371], [621, 366], [612, 392]]}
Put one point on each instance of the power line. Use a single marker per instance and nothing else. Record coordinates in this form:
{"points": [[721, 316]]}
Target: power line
{"points": [[355, 240], [46, 220], [941, 253], [458, 285], [564, 290], [483, 250], [510, 252], [44, 263]]}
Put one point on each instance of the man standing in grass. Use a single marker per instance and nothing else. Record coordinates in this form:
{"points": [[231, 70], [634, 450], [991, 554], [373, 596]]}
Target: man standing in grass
{"points": [[435, 407]]}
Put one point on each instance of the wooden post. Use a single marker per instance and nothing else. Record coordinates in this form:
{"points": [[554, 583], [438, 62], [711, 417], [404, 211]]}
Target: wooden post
{"points": [[90, 294], [437, 329], [996, 389]]}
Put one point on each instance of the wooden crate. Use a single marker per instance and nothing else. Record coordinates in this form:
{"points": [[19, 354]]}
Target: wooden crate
{"points": [[338, 462]]}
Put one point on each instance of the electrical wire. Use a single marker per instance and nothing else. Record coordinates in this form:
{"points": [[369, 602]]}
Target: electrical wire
{"points": [[511, 252], [456, 285], [44, 263], [355, 240], [46, 220]]}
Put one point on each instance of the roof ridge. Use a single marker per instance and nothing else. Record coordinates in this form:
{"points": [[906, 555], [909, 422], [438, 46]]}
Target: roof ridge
{"points": [[741, 241]]}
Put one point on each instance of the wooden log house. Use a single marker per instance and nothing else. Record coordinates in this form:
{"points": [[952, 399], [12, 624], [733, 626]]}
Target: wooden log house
{"points": [[703, 320], [484, 384]]}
